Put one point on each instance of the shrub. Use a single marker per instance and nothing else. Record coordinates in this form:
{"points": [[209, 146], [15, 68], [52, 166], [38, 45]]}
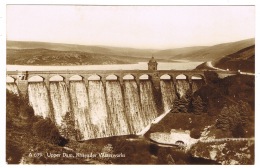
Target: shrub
{"points": [[13, 152], [197, 105], [234, 118], [211, 77], [46, 130], [180, 105], [195, 133], [18, 111]]}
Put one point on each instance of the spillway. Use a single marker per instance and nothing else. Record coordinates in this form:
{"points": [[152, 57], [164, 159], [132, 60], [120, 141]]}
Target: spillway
{"points": [[132, 106], [60, 102], [99, 108], [39, 99], [168, 94], [182, 86], [80, 108], [116, 109]]}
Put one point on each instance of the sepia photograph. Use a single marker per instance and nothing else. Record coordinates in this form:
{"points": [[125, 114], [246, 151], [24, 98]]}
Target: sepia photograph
{"points": [[130, 84]]}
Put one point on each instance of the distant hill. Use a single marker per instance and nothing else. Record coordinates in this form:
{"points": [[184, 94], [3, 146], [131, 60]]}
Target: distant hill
{"points": [[120, 51], [243, 60], [53, 57], [42, 53], [210, 53], [179, 53]]}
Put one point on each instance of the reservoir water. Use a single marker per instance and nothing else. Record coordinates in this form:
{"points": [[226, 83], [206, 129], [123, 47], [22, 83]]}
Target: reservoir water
{"points": [[140, 66]]}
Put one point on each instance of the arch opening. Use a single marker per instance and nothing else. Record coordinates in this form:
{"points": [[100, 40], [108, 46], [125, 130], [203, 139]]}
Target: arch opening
{"points": [[165, 77], [128, 77], [10, 79], [197, 77], [56, 78], [111, 77], [36, 79], [76, 78], [94, 77], [181, 76], [179, 142], [144, 77]]}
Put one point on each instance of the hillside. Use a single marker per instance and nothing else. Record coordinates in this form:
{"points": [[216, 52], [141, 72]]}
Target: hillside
{"points": [[52, 57], [119, 51], [42, 53], [208, 53], [179, 53], [243, 60]]}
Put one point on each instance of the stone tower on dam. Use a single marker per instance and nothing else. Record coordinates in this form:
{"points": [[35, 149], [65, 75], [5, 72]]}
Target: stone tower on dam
{"points": [[152, 64]]}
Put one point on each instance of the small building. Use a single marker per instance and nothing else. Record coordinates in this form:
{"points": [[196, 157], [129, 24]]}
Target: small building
{"points": [[181, 137], [152, 64], [178, 136]]}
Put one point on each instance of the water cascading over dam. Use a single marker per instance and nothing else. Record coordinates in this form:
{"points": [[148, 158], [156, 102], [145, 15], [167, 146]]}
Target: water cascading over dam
{"points": [[99, 108], [39, 99], [168, 94], [12, 87], [133, 106], [80, 106], [148, 107], [60, 102], [116, 108], [182, 86]]}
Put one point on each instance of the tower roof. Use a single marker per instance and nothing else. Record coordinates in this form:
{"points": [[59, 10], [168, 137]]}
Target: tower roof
{"points": [[152, 60]]}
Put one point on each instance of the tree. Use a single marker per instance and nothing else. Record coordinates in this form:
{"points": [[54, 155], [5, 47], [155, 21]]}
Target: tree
{"points": [[18, 111], [211, 77], [197, 105], [180, 105], [47, 130], [234, 118], [195, 133]]}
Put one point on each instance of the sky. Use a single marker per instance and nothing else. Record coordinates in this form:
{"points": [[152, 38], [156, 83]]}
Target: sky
{"points": [[151, 27]]}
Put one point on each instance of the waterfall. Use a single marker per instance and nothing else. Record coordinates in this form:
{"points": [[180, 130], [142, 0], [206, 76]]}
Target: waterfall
{"points": [[38, 98], [98, 109], [116, 109], [196, 84], [79, 104], [132, 106], [182, 87], [148, 107], [168, 94], [12, 87], [60, 102]]}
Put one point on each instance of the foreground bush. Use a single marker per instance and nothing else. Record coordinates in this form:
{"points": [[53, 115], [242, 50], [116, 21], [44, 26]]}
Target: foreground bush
{"points": [[235, 118], [46, 129], [13, 152], [195, 133]]}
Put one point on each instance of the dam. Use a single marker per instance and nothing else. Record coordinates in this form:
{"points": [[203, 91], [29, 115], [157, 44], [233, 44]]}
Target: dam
{"points": [[93, 104]]}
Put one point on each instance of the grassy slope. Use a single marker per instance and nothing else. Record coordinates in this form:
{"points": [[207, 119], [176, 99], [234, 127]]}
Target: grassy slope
{"points": [[243, 60], [178, 53], [107, 50], [215, 52], [54, 57]]}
